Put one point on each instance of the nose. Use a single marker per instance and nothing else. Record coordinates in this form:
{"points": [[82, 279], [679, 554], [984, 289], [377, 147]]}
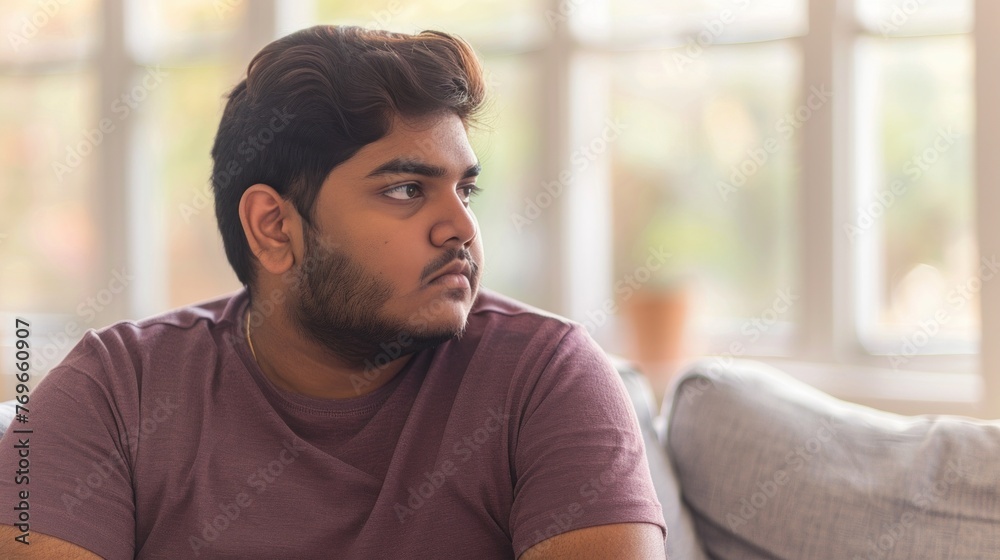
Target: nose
{"points": [[454, 222]]}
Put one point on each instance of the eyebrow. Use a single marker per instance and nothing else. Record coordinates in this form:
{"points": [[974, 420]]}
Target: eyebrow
{"points": [[402, 165]]}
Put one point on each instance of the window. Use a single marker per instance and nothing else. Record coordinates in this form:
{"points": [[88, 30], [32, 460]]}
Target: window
{"points": [[707, 172], [914, 225], [806, 179]]}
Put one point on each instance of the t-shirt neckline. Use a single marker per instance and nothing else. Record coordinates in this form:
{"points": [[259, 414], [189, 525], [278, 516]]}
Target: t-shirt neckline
{"points": [[352, 406]]}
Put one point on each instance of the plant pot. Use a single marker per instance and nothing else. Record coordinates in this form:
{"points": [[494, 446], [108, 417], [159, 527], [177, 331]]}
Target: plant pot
{"points": [[657, 319]]}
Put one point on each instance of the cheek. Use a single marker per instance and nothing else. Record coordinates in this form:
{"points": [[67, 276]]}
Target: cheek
{"points": [[395, 260], [477, 250]]}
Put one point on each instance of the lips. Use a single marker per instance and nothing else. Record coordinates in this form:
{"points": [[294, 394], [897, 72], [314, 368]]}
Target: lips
{"points": [[456, 267]]}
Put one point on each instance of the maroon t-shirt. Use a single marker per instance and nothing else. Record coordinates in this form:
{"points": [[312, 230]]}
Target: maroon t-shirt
{"points": [[163, 439]]}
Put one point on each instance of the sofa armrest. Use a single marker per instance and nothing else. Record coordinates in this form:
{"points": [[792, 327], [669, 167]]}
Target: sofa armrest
{"points": [[7, 410], [682, 542]]}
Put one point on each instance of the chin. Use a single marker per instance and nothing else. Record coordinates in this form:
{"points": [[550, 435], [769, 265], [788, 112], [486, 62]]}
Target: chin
{"points": [[440, 318], [431, 334]]}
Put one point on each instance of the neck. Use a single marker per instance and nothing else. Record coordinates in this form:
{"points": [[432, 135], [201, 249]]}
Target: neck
{"points": [[300, 365]]}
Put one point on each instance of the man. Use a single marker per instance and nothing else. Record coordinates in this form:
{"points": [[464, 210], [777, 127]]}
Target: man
{"points": [[362, 397]]}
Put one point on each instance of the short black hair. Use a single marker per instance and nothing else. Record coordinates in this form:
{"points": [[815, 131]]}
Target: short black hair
{"points": [[312, 99]]}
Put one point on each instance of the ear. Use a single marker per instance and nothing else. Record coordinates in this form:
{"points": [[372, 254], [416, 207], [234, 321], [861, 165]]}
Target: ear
{"points": [[273, 228]]}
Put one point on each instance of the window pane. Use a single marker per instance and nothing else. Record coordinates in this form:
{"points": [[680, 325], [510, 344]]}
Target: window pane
{"points": [[915, 217], [508, 147], [707, 171], [39, 30], [163, 29], [482, 20], [49, 234], [914, 17], [48, 159], [711, 18], [184, 116]]}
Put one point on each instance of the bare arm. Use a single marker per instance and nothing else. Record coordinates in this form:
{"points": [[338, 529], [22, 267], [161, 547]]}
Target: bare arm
{"points": [[40, 547], [621, 541]]}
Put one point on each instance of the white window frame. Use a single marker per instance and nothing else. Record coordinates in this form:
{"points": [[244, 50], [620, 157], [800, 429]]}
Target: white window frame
{"points": [[830, 354], [826, 352]]}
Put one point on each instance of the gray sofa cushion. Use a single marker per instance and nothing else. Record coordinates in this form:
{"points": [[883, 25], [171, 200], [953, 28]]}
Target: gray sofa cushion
{"points": [[772, 468]]}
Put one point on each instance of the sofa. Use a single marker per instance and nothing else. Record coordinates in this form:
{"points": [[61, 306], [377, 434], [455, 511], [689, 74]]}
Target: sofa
{"points": [[749, 463]]}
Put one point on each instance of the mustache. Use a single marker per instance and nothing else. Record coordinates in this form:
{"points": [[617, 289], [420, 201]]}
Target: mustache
{"points": [[446, 258]]}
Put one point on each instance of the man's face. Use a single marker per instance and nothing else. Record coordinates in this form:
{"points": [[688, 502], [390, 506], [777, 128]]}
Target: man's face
{"points": [[390, 223]]}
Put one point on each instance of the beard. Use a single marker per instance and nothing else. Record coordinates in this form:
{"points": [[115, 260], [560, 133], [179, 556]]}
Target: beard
{"points": [[341, 306]]}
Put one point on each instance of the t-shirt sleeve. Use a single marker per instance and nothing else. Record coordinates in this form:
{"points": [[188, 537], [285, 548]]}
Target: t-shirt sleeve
{"points": [[77, 465], [579, 458]]}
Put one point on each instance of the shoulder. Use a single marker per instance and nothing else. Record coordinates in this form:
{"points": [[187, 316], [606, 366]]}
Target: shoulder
{"points": [[127, 348], [173, 330], [493, 310], [504, 326], [178, 323]]}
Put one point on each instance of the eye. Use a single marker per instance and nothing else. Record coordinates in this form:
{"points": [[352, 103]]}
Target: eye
{"points": [[408, 191], [470, 191]]}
